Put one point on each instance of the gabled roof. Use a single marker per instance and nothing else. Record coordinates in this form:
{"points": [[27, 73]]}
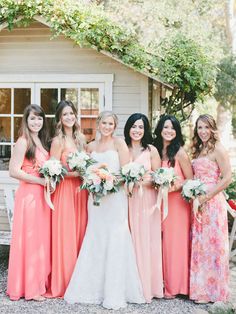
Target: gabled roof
{"points": [[85, 25]]}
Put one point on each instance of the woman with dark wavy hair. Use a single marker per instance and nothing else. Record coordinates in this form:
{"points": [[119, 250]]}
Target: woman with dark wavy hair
{"points": [[29, 261], [69, 219], [176, 227], [209, 272], [145, 221]]}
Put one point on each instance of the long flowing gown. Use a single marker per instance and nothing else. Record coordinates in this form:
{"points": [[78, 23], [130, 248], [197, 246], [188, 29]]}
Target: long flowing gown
{"points": [[29, 262], [209, 272], [176, 241], [69, 220], [106, 270], [145, 226]]}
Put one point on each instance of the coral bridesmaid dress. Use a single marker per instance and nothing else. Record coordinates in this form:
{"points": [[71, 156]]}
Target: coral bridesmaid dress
{"points": [[29, 262], [209, 272], [176, 241], [69, 221], [145, 226]]}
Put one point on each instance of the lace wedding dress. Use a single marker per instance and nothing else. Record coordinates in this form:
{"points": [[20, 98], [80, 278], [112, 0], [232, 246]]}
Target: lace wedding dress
{"points": [[106, 272]]}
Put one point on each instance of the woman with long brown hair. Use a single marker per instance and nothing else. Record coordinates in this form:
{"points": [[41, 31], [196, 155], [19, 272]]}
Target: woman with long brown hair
{"points": [[29, 262], [69, 219], [209, 271]]}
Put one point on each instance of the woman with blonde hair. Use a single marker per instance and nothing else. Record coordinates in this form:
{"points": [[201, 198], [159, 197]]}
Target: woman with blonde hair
{"points": [[29, 262], [69, 219], [106, 272], [209, 271]]}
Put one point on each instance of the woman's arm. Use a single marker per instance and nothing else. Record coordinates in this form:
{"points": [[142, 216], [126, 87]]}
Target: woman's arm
{"points": [[223, 162], [56, 152], [186, 168], [155, 158], [155, 164], [56, 148], [123, 151], [16, 163], [90, 147]]}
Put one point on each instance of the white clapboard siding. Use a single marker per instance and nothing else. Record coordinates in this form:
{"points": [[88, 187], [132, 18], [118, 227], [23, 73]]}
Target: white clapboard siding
{"points": [[31, 50]]}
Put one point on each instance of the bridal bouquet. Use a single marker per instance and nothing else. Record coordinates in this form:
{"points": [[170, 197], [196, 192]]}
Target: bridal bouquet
{"points": [[130, 174], [191, 190], [79, 161], [99, 181], [53, 172], [163, 178]]}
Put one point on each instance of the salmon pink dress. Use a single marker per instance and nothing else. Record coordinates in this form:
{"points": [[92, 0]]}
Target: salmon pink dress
{"points": [[209, 272], [69, 221], [145, 226], [29, 262], [176, 241]]}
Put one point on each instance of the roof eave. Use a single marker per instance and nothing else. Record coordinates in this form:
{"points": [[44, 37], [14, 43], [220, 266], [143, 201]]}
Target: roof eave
{"points": [[108, 54]]}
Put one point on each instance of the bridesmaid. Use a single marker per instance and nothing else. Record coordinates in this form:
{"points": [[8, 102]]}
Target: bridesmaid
{"points": [[145, 224], [29, 262], [69, 219], [209, 272], [176, 227]]}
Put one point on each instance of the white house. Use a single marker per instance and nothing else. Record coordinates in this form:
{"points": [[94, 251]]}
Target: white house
{"points": [[37, 69]]}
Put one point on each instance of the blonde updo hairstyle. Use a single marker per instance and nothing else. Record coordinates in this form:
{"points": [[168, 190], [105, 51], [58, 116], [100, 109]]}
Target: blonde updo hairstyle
{"points": [[197, 146], [77, 135], [105, 114]]}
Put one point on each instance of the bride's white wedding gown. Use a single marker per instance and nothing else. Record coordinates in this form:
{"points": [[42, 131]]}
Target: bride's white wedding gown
{"points": [[106, 271]]}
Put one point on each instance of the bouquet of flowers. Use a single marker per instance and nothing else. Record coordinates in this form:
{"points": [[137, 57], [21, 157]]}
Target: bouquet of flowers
{"points": [[130, 174], [80, 161], [53, 171], [163, 178], [99, 181], [191, 190]]}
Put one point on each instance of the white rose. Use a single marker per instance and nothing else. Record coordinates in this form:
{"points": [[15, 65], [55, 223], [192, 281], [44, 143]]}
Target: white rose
{"points": [[125, 169], [108, 185], [55, 169]]}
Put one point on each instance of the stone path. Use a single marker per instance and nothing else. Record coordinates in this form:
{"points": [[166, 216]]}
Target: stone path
{"points": [[59, 306]]}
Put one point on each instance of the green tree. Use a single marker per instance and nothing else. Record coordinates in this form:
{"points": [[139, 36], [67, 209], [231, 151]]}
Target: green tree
{"points": [[186, 35], [187, 67], [226, 92]]}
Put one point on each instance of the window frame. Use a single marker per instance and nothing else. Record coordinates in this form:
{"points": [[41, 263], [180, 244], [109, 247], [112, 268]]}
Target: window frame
{"points": [[36, 81]]}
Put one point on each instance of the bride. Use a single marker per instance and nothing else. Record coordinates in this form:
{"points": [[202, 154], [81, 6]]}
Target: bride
{"points": [[106, 272]]}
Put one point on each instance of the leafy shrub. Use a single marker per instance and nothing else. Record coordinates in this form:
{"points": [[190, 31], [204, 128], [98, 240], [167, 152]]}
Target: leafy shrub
{"points": [[231, 189]]}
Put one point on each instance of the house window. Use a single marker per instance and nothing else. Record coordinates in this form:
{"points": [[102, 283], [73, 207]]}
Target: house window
{"points": [[12, 103], [88, 92], [87, 98]]}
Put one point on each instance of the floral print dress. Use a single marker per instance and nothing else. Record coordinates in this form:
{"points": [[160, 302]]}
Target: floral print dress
{"points": [[209, 270]]}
